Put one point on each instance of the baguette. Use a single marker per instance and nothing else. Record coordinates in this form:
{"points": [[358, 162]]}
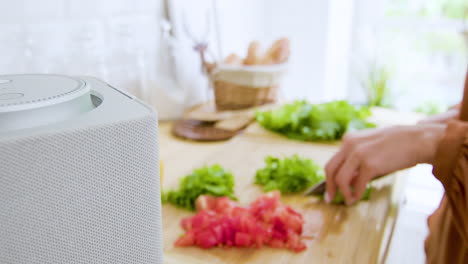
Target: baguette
{"points": [[278, 52], [253, 54], [233, 59]]}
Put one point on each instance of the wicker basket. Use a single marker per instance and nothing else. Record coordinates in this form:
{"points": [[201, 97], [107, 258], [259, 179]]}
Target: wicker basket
{"points": [[239, 87]]}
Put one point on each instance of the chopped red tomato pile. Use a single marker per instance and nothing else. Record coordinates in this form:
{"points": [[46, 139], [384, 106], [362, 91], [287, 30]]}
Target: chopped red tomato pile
{"points": [[221, 222]]}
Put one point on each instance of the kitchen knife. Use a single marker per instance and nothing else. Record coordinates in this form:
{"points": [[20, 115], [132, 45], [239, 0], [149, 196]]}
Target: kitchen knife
{"points": [[317, 189], [320, 187]]}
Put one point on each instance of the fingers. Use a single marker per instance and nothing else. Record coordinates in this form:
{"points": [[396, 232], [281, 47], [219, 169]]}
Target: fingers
{"points": [[360, 184], [343, 170], [345, 176], [330, 169], [367, 171]]}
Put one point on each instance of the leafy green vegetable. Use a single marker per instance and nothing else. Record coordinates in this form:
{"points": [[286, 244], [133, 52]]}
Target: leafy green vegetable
{"points": [[288, 175], [294, 174], [321, 122], [164, 198], [339, 198], [214, 180]]}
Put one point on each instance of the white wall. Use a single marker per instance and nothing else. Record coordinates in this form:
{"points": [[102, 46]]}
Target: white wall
{"points": [[338, 51], [241, 22], [112, 39], [306, 23], [118, 40]]}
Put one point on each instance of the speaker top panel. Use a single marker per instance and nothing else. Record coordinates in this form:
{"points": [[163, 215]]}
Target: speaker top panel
{"points": [[37, 104], [32, 100], [33, 91]]}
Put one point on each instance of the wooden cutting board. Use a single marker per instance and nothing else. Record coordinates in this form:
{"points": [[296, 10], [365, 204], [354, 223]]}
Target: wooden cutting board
{"points": [[358, 234]]}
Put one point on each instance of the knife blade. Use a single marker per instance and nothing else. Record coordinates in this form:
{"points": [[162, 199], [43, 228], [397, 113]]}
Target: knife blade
{"points": [[321, 186], [317, 189]]}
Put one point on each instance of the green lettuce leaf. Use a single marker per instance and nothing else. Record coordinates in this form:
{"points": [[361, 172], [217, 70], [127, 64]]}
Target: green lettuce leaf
{"points": [[301, 120], [214, 180], [289, 175], [294, 175]]}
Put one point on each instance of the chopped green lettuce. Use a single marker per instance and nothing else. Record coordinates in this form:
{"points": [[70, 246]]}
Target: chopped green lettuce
{"points": [[304, 121], [289, 175], [294, 175], [339, 198], [214, 180]]}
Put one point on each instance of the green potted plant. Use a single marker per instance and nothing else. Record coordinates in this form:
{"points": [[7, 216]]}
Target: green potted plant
{"points": [[377, 86]]}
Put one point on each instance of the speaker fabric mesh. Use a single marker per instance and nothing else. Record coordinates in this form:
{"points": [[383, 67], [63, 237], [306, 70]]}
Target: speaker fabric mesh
{"points": [[82, 196]]}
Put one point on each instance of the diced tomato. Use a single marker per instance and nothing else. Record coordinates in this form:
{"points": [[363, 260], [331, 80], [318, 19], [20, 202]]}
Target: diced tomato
{"points": [[202, 220], [205, 202], [293, 212], [279, 229], [238, 211], [293, 220], [186, 240], [206, 239], [243, 239], [186, 223], [228, 233], [221, 222], [246, 223], [224, 205], [218, 233], [276, 243], [295, 224]]}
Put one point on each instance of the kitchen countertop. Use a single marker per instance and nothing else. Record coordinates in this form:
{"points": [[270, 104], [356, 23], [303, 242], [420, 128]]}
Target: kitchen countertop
{"points": [[357, 234]]}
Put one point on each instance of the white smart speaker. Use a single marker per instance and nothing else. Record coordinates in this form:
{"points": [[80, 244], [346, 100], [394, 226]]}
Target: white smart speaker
{"points": [[79, 173]]}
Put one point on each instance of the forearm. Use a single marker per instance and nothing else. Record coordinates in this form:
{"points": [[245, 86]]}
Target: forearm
{"points": [[443, 118], [431, 134], [367, 154]]}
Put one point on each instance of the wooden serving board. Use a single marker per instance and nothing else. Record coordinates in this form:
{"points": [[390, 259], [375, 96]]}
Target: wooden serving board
{"points": [[357, 234]]}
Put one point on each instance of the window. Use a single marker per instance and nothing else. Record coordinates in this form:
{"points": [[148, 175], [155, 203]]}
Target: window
{"points": [[422, 44]]}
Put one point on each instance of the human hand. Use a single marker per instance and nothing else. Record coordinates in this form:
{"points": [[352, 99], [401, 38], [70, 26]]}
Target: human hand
{"points": [[367, 154], [442, 118]]}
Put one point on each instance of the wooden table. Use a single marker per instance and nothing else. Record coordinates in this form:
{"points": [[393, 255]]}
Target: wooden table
{"points": [[357, 234]]}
